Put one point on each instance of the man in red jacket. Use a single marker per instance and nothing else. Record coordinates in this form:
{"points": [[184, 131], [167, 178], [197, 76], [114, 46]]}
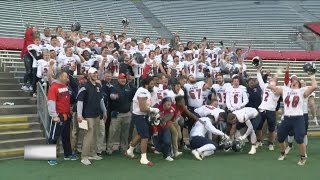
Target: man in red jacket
{"points": [[27, 59]]}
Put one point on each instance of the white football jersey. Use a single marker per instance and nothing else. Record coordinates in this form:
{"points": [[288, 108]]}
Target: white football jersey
{"points": [[205, 95], [138, 69], [306, 102], [63, 60], [205, 110], [201, 67], [269, 100], [86, 65], [149, 47], [245, 114], [201, 129], [195, 94], [170, 93], [179, 67], [293, 101], [236, 98], [42, 69], [221, 92], [141, 93], [157, 95], [191, 67], [38, 51]]}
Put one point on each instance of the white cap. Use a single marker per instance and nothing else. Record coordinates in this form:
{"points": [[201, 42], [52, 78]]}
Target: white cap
{"points": [[86, 49], [92, 70], [293, 75]]}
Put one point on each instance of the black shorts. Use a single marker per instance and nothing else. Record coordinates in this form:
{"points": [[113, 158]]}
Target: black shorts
{"points": [[141, 124], [295, 124]]}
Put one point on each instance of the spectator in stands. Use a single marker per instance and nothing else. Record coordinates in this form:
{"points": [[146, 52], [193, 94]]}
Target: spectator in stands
{"points": [[89, 107]]}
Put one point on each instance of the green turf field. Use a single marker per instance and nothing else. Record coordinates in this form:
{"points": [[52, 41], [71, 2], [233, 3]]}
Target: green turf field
{"points": [[231, 165]]}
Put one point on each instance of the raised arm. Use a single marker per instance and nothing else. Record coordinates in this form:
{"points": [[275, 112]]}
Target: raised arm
{"points": [[260, 79], [313, 87]]}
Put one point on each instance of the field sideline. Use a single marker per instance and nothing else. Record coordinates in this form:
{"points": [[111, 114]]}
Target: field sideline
{"points": [[231, 165]]}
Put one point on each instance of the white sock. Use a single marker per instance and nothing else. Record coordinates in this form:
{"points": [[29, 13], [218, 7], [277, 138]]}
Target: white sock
{"points": [[207, 147], [290, 139], [131, 149], [305, 139], [144, 159], [207, 153]]}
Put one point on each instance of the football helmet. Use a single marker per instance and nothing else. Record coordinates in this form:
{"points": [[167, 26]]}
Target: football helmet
{"points": [[125, 21], [257, 62], [154, 118], [139, 58], [226, 144], [310, 68], [237, 145], [75, 26]]}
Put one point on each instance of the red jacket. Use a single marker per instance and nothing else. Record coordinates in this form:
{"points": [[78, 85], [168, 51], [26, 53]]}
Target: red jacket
{"points": [[28, 39]]}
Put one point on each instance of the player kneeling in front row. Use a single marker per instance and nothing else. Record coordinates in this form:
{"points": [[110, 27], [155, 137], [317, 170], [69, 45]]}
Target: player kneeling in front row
{"points": [[201, 145], [293, 98], [249, 117]]}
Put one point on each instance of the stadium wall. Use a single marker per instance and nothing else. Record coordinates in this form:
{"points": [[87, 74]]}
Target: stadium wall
{"points": [[17, 44]]}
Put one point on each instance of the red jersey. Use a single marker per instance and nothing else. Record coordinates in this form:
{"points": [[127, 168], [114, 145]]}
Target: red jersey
{"points": [[164, 113], [28, 39], [60, 94]]}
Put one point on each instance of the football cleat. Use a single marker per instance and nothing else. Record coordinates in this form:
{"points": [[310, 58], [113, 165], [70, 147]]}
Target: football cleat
{"points": [[281, 157], [253, 150], [196, 154], [169, 158], [271, 147], [288, 149], [302, 161]]}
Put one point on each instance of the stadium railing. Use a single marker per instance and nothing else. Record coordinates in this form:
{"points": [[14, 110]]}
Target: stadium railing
{"points": [[42, 107]]}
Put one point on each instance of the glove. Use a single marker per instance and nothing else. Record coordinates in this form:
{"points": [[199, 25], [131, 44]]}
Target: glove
{"points": [[241, 138], [225, 137], [155, 110]]}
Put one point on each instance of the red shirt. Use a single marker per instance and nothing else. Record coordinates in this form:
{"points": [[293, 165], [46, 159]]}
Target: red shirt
{"points": [[28, 39], [60, 94], [162, 114]]}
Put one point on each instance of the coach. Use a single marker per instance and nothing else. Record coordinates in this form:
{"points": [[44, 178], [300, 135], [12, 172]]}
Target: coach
{"points": [[120, 105], [89, 107]]}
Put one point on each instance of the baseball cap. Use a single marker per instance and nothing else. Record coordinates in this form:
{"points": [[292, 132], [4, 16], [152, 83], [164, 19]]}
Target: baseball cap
{"points": [[121, 76], [293, 76], [92, 70]]}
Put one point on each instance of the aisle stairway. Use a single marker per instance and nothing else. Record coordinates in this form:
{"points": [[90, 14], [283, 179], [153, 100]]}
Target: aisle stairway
{"points": [[19, 123]]}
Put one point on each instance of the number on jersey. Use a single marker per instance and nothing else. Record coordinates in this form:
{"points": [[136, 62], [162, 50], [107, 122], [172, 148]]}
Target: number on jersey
{"points": [[222, 97], [195, 93], [294, 103], [266, 98]]}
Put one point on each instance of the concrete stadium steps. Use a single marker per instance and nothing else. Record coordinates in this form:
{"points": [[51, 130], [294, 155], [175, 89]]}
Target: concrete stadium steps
{"points": [[18, 100], [19, 123], [18, 109]]}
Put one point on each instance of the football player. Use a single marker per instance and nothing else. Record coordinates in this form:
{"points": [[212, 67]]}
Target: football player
{"points": [[293, 98], [202, 146], [267, 110], [141, 106], [306, 102], [249, 117], [236, 97], [220, 90]]}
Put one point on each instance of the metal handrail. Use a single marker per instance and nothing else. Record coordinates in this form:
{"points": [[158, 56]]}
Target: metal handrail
{"points": [[42, 107]]}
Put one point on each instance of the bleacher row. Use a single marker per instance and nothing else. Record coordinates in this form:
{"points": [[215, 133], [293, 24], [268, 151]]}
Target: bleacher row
{"points": [[264, 24]]}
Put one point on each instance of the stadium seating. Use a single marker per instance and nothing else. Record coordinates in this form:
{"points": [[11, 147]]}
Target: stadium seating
{"points": [[315, 27], [267, 25], [312, 7], [14, 14]]}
